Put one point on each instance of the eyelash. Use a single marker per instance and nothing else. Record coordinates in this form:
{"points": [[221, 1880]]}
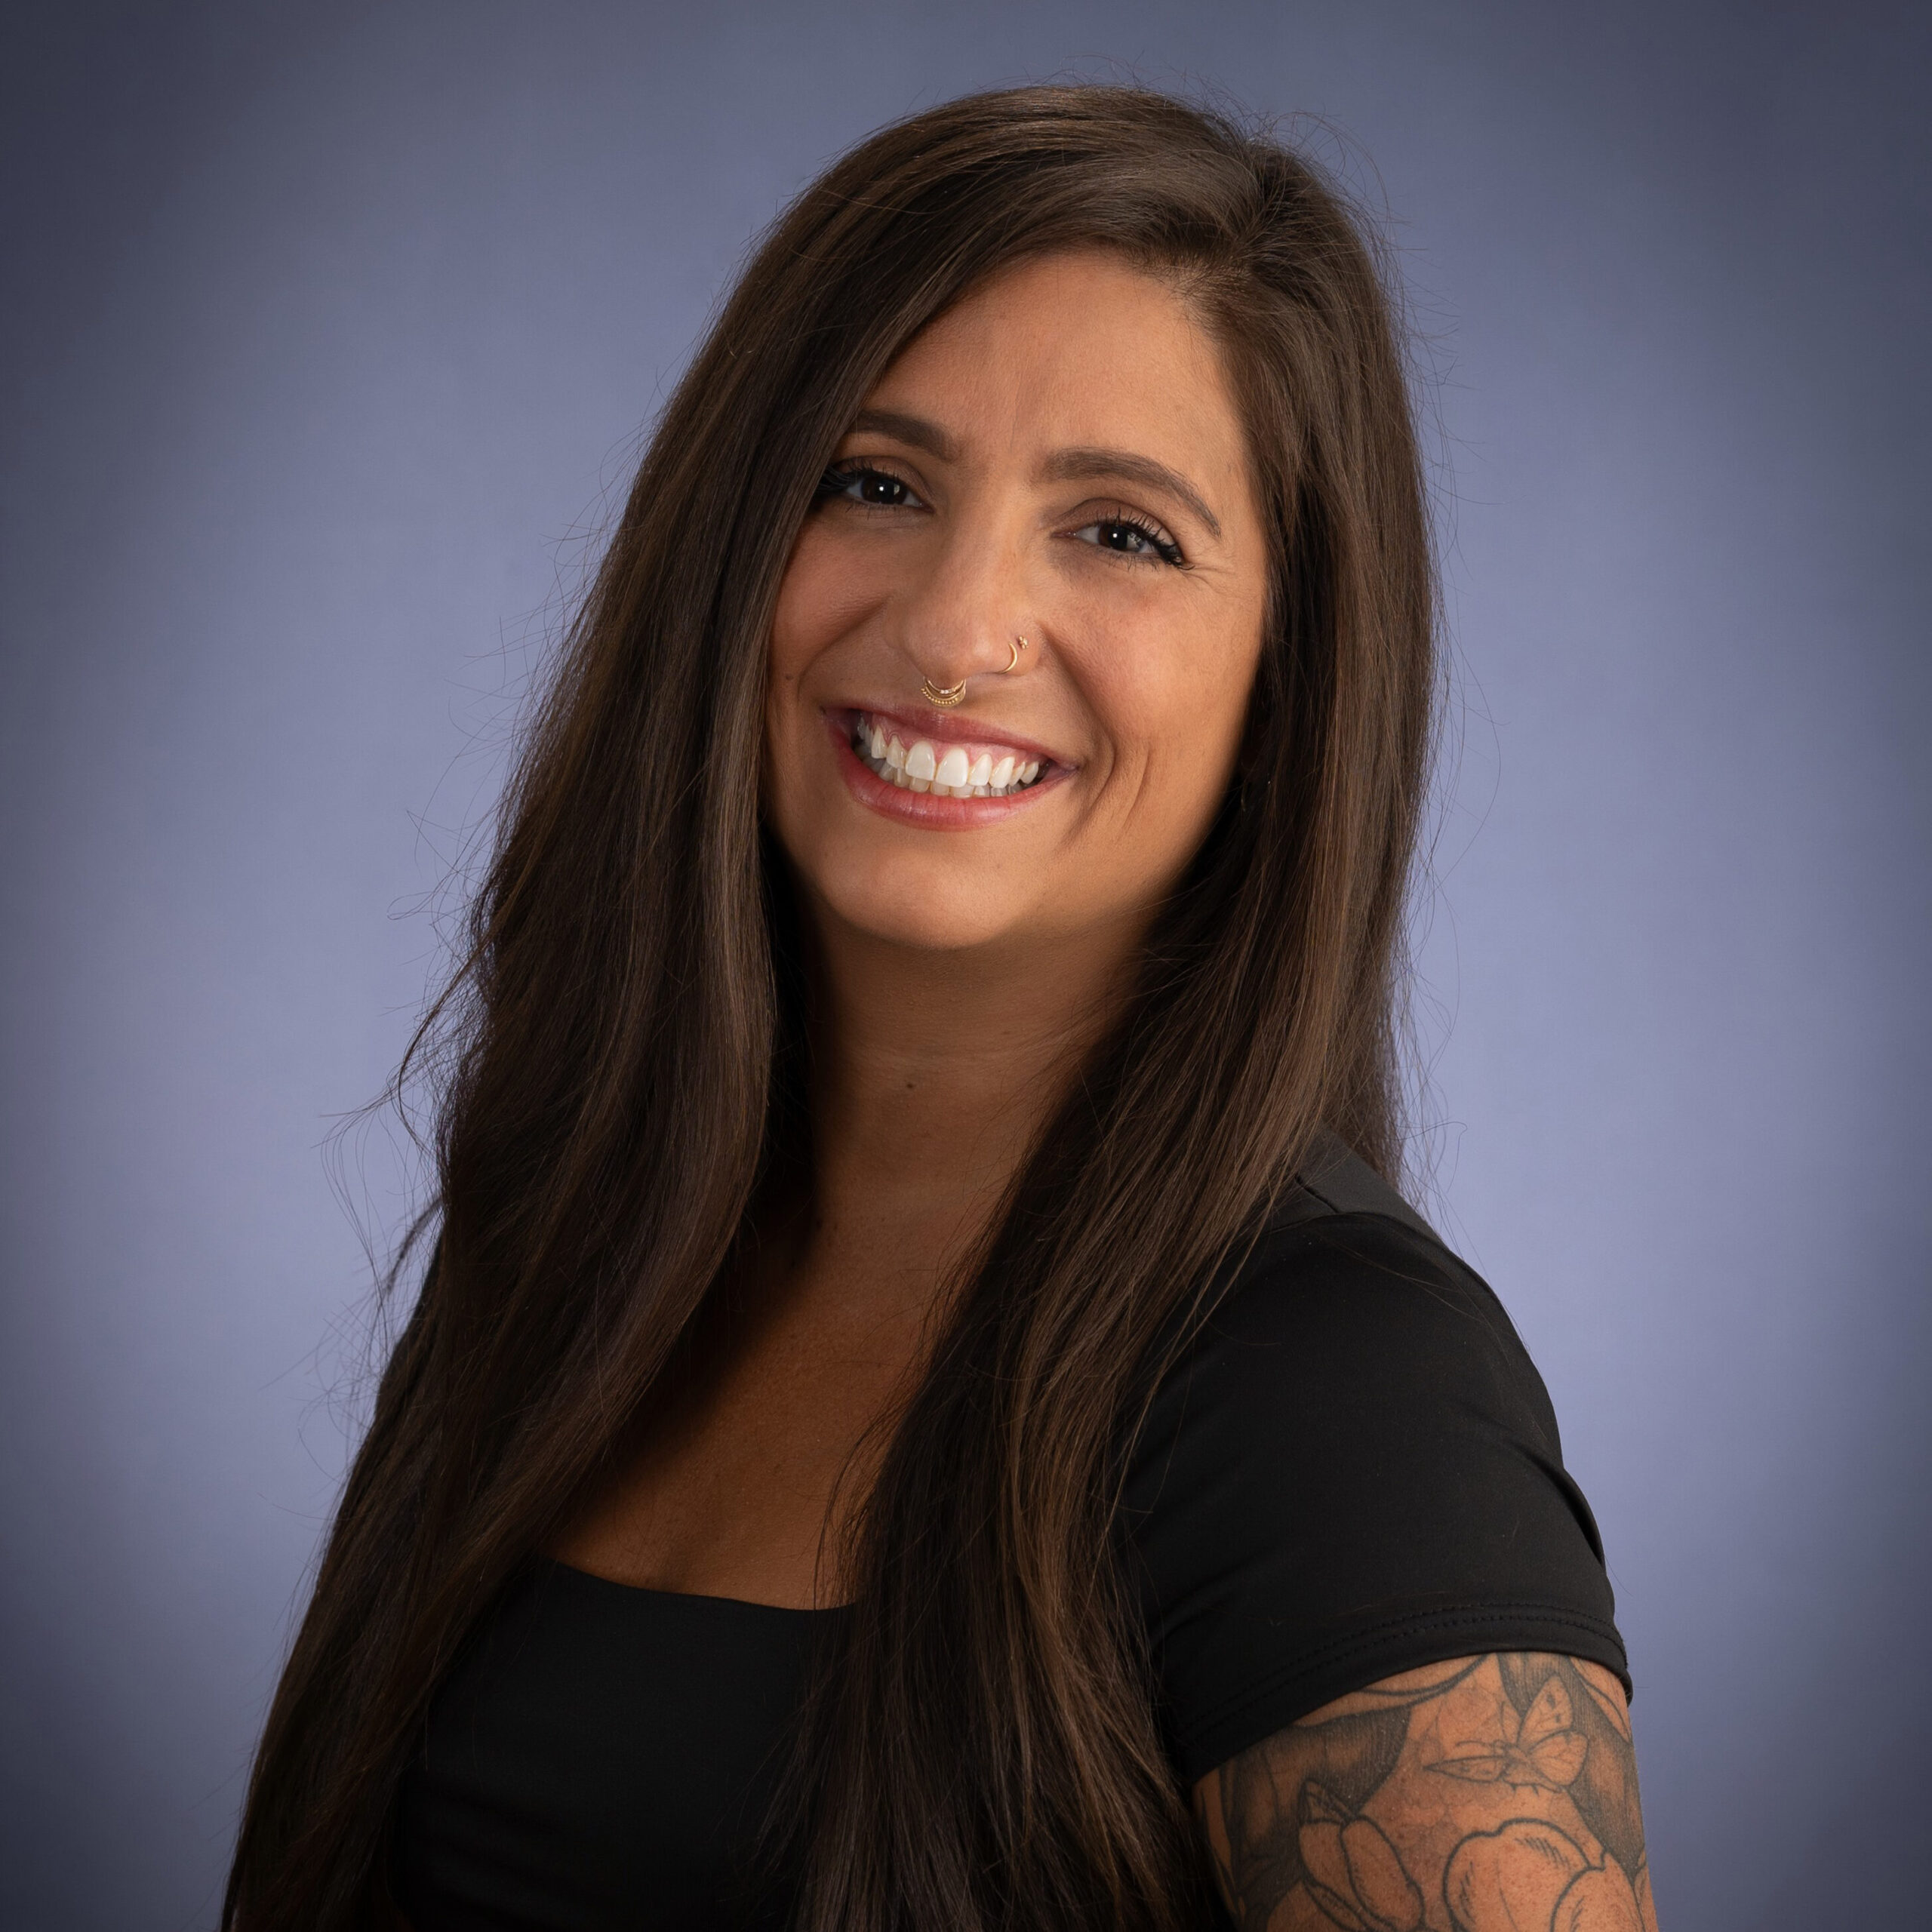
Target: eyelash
{"points": [[1163, 546], [840, 477]]}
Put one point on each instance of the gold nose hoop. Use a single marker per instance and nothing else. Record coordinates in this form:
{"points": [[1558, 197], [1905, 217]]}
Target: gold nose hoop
{"points": [[949, 695]]}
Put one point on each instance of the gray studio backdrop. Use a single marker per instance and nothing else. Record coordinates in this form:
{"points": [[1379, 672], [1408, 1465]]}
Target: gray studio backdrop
{"points": [[331, 329]]}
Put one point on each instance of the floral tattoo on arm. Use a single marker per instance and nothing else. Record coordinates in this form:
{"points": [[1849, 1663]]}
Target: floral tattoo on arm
{"points": [[1491, 1794]]}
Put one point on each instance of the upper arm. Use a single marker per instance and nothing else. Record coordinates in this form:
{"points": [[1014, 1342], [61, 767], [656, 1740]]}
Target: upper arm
{"points": [[1490, 1794]]}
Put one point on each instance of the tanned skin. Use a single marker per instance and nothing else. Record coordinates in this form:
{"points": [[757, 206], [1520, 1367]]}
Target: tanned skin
{"points": [[1489, 1794]]}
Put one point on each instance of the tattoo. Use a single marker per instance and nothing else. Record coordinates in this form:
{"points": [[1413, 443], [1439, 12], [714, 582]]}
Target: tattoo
{"points": [[1492, 1793]]}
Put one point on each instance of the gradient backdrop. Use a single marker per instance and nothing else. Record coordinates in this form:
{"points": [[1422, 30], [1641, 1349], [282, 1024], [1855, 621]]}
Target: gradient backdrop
{"points": [[331, 328]]}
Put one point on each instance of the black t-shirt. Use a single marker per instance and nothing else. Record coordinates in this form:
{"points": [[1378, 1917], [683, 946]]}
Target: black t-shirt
{"points": [[1354, 1471]]}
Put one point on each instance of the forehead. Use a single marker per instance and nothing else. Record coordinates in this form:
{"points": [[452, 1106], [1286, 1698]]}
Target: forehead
{"points": [[1074, 349]]}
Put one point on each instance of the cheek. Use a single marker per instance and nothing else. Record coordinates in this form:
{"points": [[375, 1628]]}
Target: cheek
{"points": [[822, 599], [822, 596], [1177, 718], [798, 634], [795, 626]]}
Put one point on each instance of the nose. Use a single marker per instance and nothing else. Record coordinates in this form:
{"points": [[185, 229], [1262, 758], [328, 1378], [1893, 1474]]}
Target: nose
{"points": [[966, 619]]}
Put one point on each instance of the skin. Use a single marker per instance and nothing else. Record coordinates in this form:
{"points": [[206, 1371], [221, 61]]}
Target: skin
{"points": [[963, 952], [957, 967], [1487, 1794]]}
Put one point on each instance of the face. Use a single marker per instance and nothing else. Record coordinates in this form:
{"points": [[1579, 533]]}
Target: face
{"points": [[1056, 460]]}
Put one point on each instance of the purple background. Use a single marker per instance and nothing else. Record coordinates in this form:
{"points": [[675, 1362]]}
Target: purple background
{"points": [[330, 330]]}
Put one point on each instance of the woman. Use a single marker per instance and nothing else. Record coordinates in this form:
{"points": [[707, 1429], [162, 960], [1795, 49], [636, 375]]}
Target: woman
{"points": [[923, 1410]]}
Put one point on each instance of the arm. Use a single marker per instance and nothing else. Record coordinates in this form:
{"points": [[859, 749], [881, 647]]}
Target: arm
{"points": [[1491, 1794]]}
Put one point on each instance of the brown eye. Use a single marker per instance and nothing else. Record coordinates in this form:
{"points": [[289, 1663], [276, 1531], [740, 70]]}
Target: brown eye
{"points": [[862, 485], [1127, 537]]}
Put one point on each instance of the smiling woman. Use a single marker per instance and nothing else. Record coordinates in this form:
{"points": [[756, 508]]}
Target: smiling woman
{"points": [[1007, 479], [926, 1406]]}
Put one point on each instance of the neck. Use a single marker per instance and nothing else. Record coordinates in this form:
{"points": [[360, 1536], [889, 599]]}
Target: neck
{"points": [[934, 1073]]}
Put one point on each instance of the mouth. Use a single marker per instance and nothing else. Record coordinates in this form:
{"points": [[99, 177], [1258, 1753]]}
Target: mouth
{"points": [[941, 765]]}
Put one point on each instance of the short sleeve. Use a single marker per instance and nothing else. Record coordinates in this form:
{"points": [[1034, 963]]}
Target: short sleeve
{"points": [[1355, 1471]]}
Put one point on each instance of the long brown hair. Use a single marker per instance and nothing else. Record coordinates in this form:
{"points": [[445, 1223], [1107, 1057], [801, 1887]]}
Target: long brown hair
{"points": [[983, 1749]]}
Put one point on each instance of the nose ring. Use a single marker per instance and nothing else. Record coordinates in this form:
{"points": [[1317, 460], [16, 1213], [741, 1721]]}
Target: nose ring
{"points": [[949, 695]]}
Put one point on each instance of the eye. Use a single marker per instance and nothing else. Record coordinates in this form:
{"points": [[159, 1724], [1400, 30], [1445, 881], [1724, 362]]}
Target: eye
{"points": [[865, 483], [1131, 536]]}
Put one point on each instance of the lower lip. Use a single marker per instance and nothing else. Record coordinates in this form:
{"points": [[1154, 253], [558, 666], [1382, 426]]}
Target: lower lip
{"points": [[921, 808]]}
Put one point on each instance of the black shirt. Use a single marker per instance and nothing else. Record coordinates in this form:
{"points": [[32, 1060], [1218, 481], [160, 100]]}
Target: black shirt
{"points": [[1353, 1472]]}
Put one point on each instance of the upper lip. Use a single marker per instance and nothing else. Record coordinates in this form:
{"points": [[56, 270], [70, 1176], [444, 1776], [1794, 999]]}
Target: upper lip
{"points": [[957, 727]]}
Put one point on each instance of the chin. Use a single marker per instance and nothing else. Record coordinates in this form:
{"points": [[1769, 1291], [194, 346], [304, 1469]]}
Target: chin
{"points": [[923, 905]]}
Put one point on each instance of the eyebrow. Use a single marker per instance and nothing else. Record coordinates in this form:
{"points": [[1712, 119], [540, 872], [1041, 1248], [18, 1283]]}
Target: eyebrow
{"points": [[1064, 465], [913, 429]]}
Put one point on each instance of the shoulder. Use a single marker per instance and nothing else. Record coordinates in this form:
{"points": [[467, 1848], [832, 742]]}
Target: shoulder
{"points": [[1333, 1180], [1350, 1311], [1352, 1469]]}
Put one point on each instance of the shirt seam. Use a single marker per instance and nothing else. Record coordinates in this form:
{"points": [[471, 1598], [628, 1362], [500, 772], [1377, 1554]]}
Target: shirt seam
{"points": [[1308, 1663]]}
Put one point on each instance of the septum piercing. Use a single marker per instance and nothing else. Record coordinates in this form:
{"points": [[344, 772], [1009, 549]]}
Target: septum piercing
{"points": [[949, 695]]}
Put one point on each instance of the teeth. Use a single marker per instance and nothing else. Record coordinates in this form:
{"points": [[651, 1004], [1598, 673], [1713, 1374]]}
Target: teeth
{"points": [[952, 774]]}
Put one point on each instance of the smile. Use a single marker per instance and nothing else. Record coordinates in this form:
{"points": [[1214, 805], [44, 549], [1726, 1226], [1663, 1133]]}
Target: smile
{"points": [[945, 767]]}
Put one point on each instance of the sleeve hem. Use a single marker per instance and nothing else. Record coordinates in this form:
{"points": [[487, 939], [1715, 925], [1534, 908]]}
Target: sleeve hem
{"points": [[1386, 1649]]}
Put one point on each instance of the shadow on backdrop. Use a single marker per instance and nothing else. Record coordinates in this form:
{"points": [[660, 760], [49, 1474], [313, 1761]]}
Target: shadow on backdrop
{"points": [[329, 329]]}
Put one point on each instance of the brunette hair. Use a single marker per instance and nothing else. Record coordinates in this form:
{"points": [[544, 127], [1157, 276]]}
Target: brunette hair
{"points": [[983, 1748]]}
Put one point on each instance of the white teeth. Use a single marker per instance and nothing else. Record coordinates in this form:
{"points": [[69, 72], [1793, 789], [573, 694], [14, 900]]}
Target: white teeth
{"points": [[956, 773]]}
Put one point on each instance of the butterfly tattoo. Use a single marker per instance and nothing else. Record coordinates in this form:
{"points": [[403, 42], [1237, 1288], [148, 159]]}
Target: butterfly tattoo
{"points": [[1547, 1752]]}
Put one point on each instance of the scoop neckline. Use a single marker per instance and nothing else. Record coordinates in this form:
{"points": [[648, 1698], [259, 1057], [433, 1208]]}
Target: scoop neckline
{"points": [[695, 1596]]}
